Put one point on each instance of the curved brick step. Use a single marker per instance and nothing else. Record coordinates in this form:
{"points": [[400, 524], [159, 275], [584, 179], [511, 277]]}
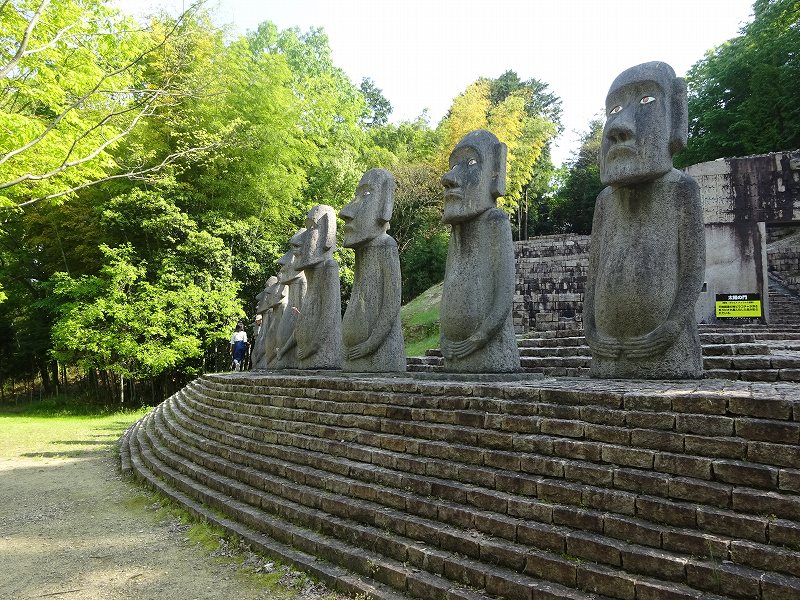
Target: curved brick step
{"points": [[244, 522], [507, 554], [533, 478], [560, 539], [539, 469], [369, 549]]}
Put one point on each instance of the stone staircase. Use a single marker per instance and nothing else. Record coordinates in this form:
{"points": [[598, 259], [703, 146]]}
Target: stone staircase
{"points": [[746, 352], [529, 489]]}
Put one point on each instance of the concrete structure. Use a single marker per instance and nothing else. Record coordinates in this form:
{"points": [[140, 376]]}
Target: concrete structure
{"points": [[476, 332], [647, 254], [371, 332], [742, 198]]}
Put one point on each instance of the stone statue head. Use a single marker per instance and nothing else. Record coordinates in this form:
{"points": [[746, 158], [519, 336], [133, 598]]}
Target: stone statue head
{"points": [[288, 262], [477, 176], [646, 123], [319, 240], [264, 297], [368, 214]]}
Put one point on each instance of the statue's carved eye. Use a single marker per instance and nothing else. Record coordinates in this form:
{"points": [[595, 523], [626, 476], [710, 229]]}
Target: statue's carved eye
{"points": [[615, 110], [646, 100], [366, 193], [472, 162]]}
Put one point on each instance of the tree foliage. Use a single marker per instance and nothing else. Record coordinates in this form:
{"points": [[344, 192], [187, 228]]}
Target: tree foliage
{"points": [[571, 209], [519, 113], [743, 95]]}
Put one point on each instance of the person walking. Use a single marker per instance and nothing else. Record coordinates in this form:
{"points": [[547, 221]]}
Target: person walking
{"points": [[238, 347]]}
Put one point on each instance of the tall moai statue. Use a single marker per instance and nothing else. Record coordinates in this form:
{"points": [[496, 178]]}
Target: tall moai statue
{"points": [[476, 332], [277, 303], [371, 330], [294, 281], [258, 357], [647, 255], [319, 325]]}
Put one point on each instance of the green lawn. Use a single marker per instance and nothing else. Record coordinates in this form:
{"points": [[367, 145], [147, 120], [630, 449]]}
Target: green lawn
{"points": [[420, 319], [34, 432]]}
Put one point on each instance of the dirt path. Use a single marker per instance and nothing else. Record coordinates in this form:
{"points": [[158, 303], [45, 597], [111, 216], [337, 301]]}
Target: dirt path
{"points": [[72, 528]]}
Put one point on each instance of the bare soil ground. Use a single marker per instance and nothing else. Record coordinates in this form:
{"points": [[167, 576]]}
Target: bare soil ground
{"points": [[71, 527]]}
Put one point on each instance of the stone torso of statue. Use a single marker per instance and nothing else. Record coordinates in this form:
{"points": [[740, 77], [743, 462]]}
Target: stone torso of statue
{"points": [[278, 304], [647, 254], [295, 286], [371, 332], [259, 355], [318, 330], [476, 331]]}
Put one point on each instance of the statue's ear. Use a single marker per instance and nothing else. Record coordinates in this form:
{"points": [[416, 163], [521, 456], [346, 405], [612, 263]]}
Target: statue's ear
{"points": [[680, 116], [499, 153], [387, 190], [327, 222]]}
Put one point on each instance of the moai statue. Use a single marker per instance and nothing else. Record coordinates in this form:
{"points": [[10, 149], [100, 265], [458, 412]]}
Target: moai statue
{"points": [[319, 325], [258, 358], [277, 304], [476, 332], [294, 282], [371, 331], [647, 255]]}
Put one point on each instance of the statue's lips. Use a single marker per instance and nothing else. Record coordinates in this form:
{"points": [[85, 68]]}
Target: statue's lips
{"points": [[453, 194], [620, 150]]}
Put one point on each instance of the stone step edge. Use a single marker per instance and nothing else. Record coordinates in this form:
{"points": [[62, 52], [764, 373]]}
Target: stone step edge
{"points": [[614, 448], [333, 576], [674, 531], [771, 501], [610, 569], [760, 405], [385, 566]]}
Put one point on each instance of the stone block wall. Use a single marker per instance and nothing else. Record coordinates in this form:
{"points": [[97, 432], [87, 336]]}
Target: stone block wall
{"points": [[551, 277], [785, 263]]}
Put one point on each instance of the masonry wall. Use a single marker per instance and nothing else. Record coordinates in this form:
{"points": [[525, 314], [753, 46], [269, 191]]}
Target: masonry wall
{"points": [[551, 277]]}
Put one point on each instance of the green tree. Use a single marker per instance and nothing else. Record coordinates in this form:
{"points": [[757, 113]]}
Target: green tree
{"points": [[512, 110], [378, 108], [571, 209], [71, 88], [743, 95]]}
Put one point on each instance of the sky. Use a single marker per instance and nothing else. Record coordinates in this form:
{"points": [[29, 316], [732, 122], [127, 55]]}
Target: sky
{"points": [[423, 53]]}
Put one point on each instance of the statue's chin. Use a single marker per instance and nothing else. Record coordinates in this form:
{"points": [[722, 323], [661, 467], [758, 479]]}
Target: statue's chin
{"points": [[623, 175], [459, 213]]}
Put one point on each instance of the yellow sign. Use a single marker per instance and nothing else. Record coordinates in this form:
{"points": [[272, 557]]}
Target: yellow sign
{"points": [[738, 308]]}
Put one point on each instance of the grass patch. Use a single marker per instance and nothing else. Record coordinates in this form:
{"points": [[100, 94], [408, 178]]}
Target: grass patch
{"points": [[62, 436], [420, 319]]}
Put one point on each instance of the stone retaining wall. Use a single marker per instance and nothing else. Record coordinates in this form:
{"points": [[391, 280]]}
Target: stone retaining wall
{"points": [[785, 263], [551, 276]]}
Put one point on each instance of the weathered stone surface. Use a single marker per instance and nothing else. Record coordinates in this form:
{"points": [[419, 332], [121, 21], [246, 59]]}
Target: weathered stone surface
{"points": [[318, 330], [371, 331], [647, 254], [288, 305], [477, 334], [258, 357]]}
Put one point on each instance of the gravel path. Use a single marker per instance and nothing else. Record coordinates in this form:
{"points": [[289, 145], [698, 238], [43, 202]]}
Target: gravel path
{"points": [[72, 528]]}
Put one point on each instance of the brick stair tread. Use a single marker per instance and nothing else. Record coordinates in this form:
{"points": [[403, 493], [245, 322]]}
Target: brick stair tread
{"points": [[336, 523], [629, 555], [684, 537], [690, 512], [668, 430], [723, 398], [333, 576]]}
